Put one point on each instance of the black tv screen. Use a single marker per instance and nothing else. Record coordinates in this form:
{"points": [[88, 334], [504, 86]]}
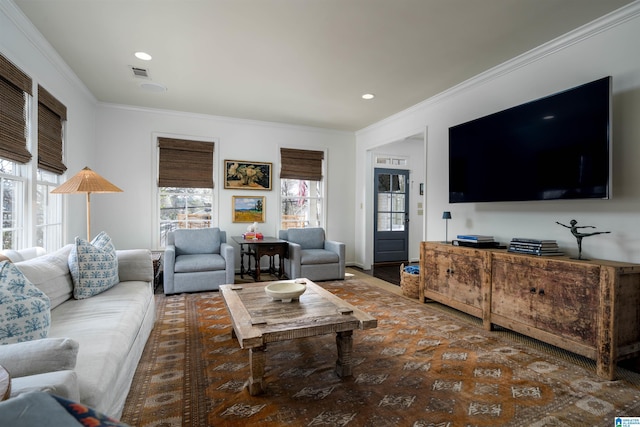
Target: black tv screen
{"points": [[557, 147]]}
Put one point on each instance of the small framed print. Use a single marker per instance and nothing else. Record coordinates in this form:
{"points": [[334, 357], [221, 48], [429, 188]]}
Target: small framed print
{"points": [[248, 208], [246, 175]]}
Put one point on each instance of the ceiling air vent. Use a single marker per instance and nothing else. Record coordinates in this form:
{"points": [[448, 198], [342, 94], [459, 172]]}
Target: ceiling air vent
{"points": [[141, 73]]}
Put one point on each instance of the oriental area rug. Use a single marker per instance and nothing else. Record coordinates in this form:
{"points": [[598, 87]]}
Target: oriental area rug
{"points": [[424, 365]]}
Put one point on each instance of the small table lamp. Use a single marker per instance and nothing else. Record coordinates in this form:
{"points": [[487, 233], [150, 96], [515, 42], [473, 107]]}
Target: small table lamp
{"points": [[86, 181], [446, 215]]}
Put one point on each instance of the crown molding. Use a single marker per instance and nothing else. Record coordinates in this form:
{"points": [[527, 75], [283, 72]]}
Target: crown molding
{"points": [[604, 23], [42, 45]]}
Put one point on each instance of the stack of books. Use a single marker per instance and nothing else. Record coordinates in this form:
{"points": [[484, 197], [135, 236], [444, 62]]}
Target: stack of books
{"points": [[475, 241], [250, 235], [534, 247]]}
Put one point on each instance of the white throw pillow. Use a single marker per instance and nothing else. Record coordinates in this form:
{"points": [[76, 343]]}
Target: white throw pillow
{"points": [[93, 266], [25, 311]]}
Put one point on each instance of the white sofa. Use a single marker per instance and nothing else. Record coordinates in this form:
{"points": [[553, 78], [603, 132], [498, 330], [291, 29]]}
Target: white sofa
{"points": [[94, 345]]}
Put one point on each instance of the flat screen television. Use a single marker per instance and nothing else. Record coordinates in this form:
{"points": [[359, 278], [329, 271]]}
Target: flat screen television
{"points": [[557, 147]]}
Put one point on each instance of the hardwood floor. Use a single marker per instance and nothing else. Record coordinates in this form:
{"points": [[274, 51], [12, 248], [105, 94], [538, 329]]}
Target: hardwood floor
{"points": [[389, 272]]}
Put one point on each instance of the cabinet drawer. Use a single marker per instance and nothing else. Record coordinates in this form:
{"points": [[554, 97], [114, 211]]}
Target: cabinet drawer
{"points": [[559, 297]]}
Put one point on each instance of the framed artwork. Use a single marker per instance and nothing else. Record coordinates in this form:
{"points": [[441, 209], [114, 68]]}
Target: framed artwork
{"points": [[245, 175], [248, 208]]}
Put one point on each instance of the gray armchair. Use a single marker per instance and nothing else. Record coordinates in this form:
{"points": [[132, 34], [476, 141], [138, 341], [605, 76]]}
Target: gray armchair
{"points": [[197, 260], [311, 256]]}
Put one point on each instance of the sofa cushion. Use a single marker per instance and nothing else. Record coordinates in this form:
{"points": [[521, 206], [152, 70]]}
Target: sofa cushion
{"points": [[93, 266], [318, 256], [307, 238], [200, 262], [50, 273], [24, 309], [197, 241]]}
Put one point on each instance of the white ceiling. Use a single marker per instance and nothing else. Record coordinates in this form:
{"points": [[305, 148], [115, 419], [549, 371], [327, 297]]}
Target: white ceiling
{"points": [[303, 62]]}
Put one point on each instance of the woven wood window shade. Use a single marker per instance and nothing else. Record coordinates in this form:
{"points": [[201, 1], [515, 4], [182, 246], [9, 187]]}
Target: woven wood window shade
{"points": [[301, 164], [15, 87], [185, 164], [51, 116]]}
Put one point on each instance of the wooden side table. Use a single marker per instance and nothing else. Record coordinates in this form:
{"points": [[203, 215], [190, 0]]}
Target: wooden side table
{"points": [[256, 249], [5, 384]]}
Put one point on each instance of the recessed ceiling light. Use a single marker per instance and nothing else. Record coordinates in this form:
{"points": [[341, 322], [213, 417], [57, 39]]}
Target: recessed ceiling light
{"points": [[143, 55], [368, 96]]}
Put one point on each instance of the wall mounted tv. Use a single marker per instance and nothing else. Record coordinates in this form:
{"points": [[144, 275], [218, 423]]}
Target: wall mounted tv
{"points": [[557, 147]]}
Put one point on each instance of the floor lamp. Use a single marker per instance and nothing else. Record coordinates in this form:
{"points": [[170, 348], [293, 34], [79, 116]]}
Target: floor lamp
{"points": [[86, 181], [446, 215]]}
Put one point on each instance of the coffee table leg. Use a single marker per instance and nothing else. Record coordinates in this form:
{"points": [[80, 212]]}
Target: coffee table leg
{"points": [[344, 364], [257, 361]]}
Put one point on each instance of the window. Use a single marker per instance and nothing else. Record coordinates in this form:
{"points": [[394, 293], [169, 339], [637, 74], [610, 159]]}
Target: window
{"points": [[301, 189], [52, 115], [28, 221], [185, 184], [15, 114]]}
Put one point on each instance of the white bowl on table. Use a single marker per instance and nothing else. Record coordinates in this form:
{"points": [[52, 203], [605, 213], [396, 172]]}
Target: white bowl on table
{"points": [[286, 290]]}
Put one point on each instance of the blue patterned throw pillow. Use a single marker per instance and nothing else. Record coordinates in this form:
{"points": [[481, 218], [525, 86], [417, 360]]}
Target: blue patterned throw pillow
{"points": [[25, 313], [93, 266]]}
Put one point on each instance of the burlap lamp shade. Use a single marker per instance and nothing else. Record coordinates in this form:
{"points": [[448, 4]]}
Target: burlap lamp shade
{"points": [[86, 181]]}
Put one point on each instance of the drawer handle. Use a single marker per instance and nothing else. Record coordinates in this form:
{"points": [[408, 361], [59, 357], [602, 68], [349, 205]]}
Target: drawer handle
{"points": [[450, 270], [541, 292], [532, 290]]}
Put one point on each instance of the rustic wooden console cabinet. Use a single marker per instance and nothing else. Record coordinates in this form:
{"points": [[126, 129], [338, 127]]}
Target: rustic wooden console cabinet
{"points": [[591, 308]]}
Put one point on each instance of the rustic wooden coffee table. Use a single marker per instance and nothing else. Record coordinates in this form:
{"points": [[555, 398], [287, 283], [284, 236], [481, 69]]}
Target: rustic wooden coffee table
{"points": [[258, 320]]}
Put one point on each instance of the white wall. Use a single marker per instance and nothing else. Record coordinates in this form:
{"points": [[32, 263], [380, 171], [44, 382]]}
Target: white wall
{"points": [[606, 47], [125, 153], [22, 44]]}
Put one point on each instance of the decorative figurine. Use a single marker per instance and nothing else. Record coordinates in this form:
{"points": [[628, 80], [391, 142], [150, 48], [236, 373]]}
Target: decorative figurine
{"points": [[574, 230]]}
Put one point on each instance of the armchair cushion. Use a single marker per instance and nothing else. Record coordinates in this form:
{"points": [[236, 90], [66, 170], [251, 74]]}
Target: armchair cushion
{"points": [[199, 262], [197, 241], [318, 256], [307, 238]]}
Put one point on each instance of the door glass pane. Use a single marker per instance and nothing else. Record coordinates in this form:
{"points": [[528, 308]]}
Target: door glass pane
{"points": [[384, 222], [398, 222], [401, 183], [384, 202], [398, 202], [384, 182], [397, 179]]}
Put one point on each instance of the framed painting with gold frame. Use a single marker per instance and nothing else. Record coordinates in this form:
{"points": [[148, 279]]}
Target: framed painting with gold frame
{"points": [[248, 208], [247, 175]]}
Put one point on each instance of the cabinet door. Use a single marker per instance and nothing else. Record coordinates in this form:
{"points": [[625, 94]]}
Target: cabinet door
{"points": [[560, 297], [456, 276]]}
